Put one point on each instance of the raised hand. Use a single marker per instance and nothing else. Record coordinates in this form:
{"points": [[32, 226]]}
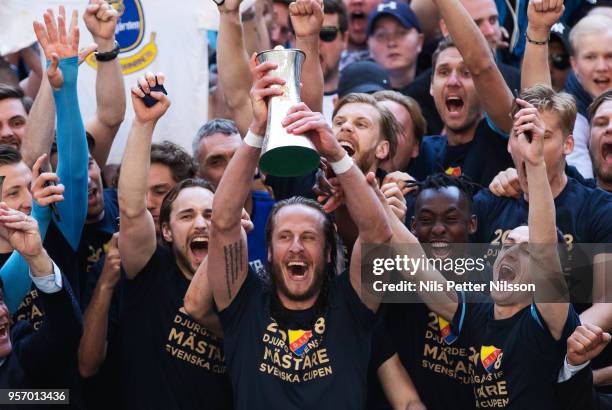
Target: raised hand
{"points": [[229, 6], [585, 343], [506, 184], [56, 42], [44, 194], [528, 119], [245, 221], [143, 113], [112, 264], [306, 17], [395, 199], [301, 120], [542, 15], [21, 231], [404, 181], [101, 20], [263, 88]]}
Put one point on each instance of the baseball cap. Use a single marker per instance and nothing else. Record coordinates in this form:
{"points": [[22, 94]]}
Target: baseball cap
{"points": [[561, 31], [363, 77], [401, 11]]}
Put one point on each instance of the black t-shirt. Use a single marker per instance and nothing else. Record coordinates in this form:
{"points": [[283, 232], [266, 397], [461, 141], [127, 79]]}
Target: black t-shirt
{"points": [[584, 215], [481, 159], [168, 360], [517, 361], [286, 187], [304, 367], [419, 90], [437, 359], [95, 237]]}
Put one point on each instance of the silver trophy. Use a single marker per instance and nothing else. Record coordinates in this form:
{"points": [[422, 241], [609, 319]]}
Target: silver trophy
{"points": [[283, 154]]}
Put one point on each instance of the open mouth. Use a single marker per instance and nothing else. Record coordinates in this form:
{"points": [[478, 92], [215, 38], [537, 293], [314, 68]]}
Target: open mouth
{"points": [[506, 273], [358, 20], [348, 147], [606, 153], [357, 15], [454, 104], [602, 82], [297, 269], [440, 249], [4, 330], [199, 247]]}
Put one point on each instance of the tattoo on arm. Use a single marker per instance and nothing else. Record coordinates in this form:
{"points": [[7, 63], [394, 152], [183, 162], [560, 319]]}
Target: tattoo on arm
{"points": [[233, 264]]}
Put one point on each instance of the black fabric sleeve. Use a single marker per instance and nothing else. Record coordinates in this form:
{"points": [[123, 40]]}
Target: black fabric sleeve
{"points": [[286, 187], [232, 315], [578, 393], [58, 337]]}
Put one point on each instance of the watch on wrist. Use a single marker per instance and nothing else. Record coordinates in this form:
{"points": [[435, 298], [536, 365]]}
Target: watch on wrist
{"points": [[219, 2], [109, 55]]}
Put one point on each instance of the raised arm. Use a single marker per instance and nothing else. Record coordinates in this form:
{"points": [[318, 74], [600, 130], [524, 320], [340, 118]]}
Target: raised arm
{"points": [[365, 209], [256, 36], [137, 240], [233, 65], [92, 348], [544, 262], [542, 16], [101, 20], [59, 335], [41, 125], [495, 96], [227, 253], [61, 49], [307, 19]]}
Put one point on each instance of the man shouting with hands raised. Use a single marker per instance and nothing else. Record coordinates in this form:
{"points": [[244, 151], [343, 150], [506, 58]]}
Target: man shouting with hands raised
{"points": [[303, 340]]}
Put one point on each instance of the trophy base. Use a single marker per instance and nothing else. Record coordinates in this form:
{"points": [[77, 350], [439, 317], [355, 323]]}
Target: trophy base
{"points": [[289, 161]]}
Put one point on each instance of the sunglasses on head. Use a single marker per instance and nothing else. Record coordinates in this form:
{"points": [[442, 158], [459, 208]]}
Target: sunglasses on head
{"points": [[328, 34]]}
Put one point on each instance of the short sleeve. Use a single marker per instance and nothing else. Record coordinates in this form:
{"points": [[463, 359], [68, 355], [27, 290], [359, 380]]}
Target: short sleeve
{"points": [[232, 315], [382, 345], [148, 280], [360, 312]]}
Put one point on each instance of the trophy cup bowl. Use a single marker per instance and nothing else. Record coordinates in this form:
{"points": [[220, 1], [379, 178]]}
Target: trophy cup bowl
{"points": [[284, 154]]}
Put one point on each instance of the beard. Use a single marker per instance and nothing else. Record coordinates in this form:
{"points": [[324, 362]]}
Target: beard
{"points": [[183, 260], [279, 285]]}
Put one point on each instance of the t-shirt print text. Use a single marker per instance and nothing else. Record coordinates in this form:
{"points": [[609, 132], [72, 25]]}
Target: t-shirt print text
{"points": [[297, 355], [191, 342]]}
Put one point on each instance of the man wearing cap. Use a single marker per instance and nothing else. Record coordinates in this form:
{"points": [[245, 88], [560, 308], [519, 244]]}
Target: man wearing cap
{"points": [[484, 13], [559, 55], [395, 40]]}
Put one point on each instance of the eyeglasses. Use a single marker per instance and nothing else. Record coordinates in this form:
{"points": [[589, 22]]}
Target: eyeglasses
{"points": [[328, 34]]}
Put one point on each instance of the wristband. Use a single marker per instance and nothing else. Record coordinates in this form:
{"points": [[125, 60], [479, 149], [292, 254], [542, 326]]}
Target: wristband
{"points": [[109, 55], [340, 167], [537, 43], [253, 140]]}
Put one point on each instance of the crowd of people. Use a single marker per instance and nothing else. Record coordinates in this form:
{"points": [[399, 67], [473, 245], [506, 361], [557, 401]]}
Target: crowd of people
{"points": [[197, 281]]}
